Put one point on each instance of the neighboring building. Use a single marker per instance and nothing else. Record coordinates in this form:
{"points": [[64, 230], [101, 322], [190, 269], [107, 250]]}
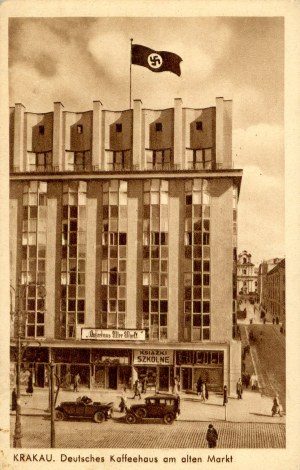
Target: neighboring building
{"points": [[246, 276], [272, 289], [123, 237]]}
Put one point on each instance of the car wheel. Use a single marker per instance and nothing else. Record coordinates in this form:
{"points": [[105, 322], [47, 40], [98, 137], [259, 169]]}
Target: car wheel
{"points": [[130, 418], [59, 415], [99, 417], [169, 418], [141, 412]]}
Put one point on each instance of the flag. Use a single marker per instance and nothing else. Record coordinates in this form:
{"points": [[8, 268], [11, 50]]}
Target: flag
{"points": [[156, 61]]}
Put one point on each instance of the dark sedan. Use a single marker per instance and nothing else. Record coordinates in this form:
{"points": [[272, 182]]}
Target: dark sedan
{"points": [[84, 408], [165, 407]]}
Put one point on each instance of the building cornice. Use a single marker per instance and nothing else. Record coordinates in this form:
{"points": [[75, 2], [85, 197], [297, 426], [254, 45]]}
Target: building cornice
{"points": [[236, 175]]}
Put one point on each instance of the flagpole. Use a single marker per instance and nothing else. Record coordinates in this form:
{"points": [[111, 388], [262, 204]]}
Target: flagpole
{"points": [[130, 73]]}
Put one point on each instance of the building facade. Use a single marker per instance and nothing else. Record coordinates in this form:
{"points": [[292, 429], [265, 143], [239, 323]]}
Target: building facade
{"points": [[272, 289], [246, 276], [123, 244]]}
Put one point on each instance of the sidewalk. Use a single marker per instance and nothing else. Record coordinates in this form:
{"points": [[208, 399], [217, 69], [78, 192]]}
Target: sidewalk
{"points": [[253, 408]]}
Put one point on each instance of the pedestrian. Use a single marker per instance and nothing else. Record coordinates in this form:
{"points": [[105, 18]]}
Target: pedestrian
{"points": [[276, 408], [199, 386], [203, 391], [176, 386], [137, 389], [144, 384], [253, 381], [123, 402], [206, 391], [29, 388], [225, 395], [239, 389], [211, 436], [14, 400], [76, 382]]}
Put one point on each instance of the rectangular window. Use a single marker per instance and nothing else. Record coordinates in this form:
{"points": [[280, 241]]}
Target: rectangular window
{"points": [[41, 130], [118, 127], [158, 126], [79, 129], [199, 126]]}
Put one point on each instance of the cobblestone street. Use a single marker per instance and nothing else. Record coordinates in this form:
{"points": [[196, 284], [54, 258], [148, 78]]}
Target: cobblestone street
{"points": [[117, 434]]}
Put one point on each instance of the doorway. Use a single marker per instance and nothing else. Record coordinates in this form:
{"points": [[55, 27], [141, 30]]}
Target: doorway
{"points": [[113, 377], [40, 375], [186, 378], [164, 378]]}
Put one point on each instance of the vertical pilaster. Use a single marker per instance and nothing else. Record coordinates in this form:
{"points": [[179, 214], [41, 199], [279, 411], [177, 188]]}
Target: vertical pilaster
{"points": [[178, 155], [137, 152], [19, 151], [173, 265], [97, 134], [51, 268], [219, 131], [58, 144], [90, 268], [227, 129], [131, 304]]}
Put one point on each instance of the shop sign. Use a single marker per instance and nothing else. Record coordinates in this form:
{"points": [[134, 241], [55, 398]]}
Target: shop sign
{"points": [[112, 335], [153, 356]]}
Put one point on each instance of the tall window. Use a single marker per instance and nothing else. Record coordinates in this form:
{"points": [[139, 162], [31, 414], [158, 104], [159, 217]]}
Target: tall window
{"points": [[199, 159], [73, 258], [34, 257], [155, 259], [117, 160], [78, 161], [197, 261], [114, 255], [158, 159], [40, 161]]}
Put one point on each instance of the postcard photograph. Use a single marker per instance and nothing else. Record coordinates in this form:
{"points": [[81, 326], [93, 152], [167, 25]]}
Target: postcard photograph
{"points": [[147, 255]]}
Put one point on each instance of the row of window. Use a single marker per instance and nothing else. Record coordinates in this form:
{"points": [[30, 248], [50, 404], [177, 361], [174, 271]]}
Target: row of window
{"points": [[119, 127], [118, 160]]}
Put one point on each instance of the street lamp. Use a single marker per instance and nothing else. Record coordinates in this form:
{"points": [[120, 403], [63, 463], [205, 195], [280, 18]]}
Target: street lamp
{"points": [[21, 348]]}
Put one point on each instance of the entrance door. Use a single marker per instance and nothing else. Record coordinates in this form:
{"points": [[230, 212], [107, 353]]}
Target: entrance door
{"points": [[113, 377], [40, 375], [164, 378], [186, 379]]}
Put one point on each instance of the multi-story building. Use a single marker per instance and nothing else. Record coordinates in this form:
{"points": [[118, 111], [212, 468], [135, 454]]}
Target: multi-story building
{"points": [[123, 244], [246, 276], [272, 289]]}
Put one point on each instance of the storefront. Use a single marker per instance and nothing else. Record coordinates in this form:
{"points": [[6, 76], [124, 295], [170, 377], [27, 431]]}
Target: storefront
{"points": [[156, 366], [114, 366], [191, 365]]}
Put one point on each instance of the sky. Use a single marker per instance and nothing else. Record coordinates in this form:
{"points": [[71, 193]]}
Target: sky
{"points": [[80, 60]]}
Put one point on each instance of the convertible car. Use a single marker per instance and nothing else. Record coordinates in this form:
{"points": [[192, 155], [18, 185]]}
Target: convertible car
{"points": [[84, 408], [164, 406]]}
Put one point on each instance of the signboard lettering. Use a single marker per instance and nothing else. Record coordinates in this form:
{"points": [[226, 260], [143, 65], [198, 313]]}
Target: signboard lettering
{"points": [[112, 335]]}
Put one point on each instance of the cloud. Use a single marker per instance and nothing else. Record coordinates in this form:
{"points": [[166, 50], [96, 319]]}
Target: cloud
{"points": [[261, 213], [262, 145]]}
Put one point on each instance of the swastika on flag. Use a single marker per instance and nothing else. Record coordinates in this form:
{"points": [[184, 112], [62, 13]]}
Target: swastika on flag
{"points": [[155, 60]]}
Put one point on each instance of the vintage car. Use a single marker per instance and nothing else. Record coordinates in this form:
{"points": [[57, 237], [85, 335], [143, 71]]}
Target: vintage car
{"points": [[84, 408], [163, 406]]}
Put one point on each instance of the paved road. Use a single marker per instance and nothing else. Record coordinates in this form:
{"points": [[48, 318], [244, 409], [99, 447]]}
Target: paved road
{"points": [[269, 357], [117, 434]]}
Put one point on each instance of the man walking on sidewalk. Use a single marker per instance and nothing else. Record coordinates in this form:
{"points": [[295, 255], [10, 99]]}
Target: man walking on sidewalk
{"points": [[211, 436]]}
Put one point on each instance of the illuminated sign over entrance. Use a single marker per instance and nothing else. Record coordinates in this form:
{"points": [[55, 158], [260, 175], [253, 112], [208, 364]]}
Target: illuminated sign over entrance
{"points": [[112, 335], [153, 356]]}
